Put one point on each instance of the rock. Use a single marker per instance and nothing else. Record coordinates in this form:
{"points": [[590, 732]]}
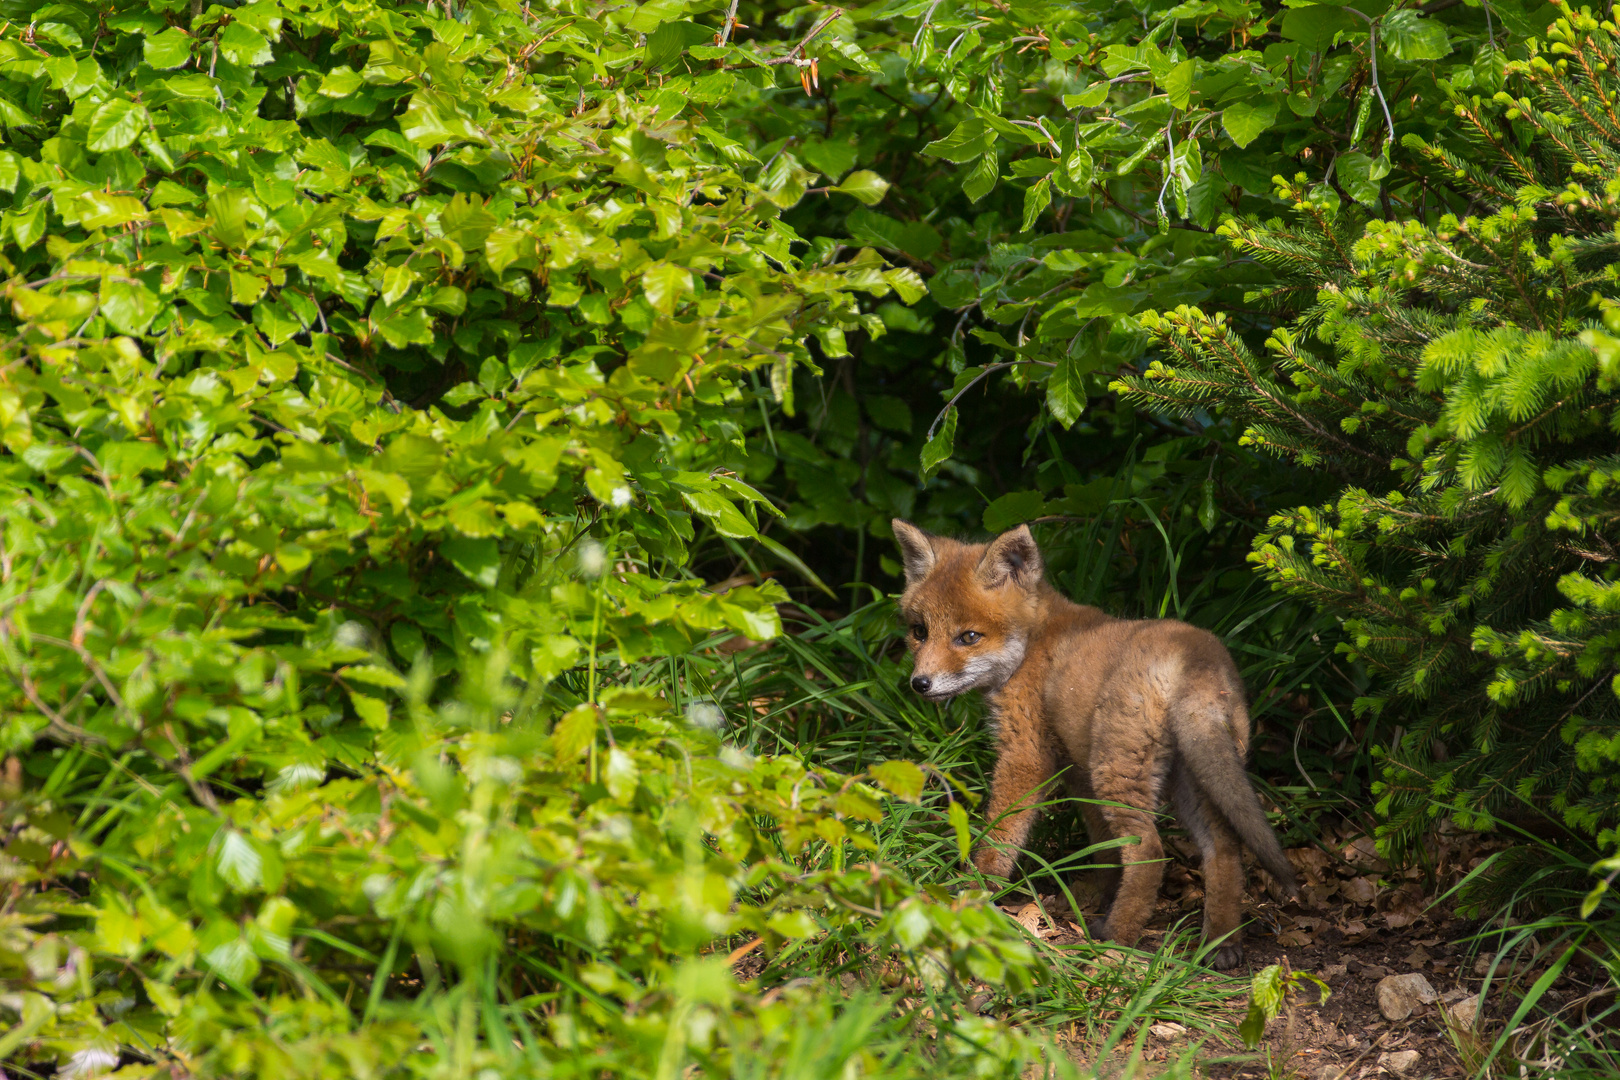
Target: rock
{"points": [[1465, 1013], [1168, 1030], [1398, 995], [1399, 1063]]}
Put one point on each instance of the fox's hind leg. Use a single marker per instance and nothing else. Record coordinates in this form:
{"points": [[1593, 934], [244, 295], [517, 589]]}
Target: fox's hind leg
{"points": [[1128, 771], [1218, 847]]}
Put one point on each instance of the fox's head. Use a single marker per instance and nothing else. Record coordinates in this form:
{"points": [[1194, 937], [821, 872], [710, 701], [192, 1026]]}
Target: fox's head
{"points": [[969, 609]]}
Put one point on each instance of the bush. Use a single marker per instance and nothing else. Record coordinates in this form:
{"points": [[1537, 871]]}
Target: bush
{"points": [[1459, 381], [370, 372]]}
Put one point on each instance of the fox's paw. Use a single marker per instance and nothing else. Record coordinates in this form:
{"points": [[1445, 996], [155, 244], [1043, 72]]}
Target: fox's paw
{"points": [[1227, 956]]}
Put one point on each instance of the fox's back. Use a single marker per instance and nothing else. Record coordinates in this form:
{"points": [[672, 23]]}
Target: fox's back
{"points": [[1086, 659]]}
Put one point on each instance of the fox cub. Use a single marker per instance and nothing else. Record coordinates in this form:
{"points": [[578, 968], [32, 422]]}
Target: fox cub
{"points": [[1127, 710]]}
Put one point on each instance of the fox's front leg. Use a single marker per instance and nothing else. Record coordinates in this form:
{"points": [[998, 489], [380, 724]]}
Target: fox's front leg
{"points": [[1025, 763]]}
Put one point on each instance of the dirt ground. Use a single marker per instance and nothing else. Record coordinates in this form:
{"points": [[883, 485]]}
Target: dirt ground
{"points": [[1355, 925]]}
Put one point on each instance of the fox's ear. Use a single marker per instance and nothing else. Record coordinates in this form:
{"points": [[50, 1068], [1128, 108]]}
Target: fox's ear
{"points": [[1011, 557], [916, 550]]}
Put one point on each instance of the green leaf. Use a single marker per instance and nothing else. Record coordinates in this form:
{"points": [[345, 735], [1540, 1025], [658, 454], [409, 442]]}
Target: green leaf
{"points": [[1355, 171], [241, 44], [372, 712], [938, 448], [1089, 98], [1207, 197], [228, 216], [1037, 198], [721, 512], [1208, 512], [341, 81], [652, 14], [1178, 84], [671, 39], [851, 52], [1266, 993], [1246, 121], [168, 50], [1316, 26], [902, 779], [1014, 508], [664, 285], [864, 185], [432, 119], [574, 732], [1407, 35], [478, 558], [982, 180], [239, 861], [115, 125], [1066, 391], [1590, 902], [128, 305], [968, 140], [621, 775]]}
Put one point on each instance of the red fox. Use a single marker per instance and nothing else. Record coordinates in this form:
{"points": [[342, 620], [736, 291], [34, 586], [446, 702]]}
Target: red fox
{"points": [[1127, 710]]}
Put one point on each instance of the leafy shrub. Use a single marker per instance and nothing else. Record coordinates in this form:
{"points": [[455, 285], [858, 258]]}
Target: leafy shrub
{"points": [[1459, 382], [370, 371]]}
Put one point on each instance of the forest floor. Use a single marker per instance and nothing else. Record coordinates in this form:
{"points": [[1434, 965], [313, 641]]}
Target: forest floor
{"points": [[1355, 926]]}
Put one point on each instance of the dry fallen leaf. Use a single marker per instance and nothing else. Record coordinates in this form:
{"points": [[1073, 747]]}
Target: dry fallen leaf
{"points": [[1359, 890]]}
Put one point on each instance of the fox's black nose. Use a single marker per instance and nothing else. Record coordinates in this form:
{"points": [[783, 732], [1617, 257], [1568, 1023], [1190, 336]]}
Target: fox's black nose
{"points": [[921, 683]]}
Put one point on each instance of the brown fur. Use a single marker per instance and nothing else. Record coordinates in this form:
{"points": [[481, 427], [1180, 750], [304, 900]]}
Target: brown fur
{"points": [[1129, 711]]}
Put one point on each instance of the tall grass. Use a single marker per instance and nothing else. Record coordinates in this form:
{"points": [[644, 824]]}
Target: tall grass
{"points": [[1553, 973]]}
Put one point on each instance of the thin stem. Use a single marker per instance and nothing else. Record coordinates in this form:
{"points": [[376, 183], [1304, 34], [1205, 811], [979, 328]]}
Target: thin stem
{"points": [[991, 370]]}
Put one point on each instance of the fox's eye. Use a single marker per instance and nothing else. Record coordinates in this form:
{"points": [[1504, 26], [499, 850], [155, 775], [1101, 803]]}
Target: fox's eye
{"points": [[920, 632], [968, 637]]}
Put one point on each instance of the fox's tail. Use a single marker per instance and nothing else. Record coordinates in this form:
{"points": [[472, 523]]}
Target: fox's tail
{"points": [[1206, 745]]}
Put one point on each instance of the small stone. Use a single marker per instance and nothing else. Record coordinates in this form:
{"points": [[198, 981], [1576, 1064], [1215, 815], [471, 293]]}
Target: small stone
{"points": [[1399, 1063], [1398, 995], [1168, 1030], [1465, 1013]]}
